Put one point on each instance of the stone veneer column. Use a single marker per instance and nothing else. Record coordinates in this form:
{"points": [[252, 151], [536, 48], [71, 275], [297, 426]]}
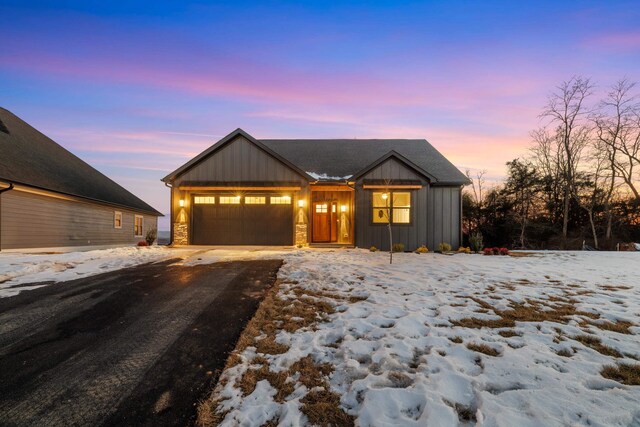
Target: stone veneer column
{"points": [[301, 234], [180, 234]]}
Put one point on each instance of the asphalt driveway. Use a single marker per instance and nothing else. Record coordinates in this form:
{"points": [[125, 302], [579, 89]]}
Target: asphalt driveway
{"points": [[138, 346]]}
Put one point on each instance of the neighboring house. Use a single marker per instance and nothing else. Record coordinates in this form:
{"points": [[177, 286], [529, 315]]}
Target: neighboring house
{"points": [[243, 191], [51, 198]]}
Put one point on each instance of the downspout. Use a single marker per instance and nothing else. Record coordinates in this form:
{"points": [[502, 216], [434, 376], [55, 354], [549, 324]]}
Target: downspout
{"points": [[170, 214], [10, 187]]}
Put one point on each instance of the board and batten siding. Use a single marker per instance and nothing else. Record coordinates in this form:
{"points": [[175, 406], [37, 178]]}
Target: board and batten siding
{"points": [[443, 214], [30, 220], [238, 161], [411, 235]]}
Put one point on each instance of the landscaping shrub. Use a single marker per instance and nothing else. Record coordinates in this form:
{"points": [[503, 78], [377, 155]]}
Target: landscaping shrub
{"points": [[373, 249], [504, 251], [444, 247], [463, 250], [398, 247], [422, 250], [143, 243], [151, 236], [476, 241], [487, 251]]}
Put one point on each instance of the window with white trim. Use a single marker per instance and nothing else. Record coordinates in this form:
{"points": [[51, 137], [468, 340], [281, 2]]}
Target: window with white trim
{"points": [[117, 219], [138, 225]]}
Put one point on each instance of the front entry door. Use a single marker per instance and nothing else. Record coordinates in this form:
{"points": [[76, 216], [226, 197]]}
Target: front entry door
{"points": [[321, 222]]}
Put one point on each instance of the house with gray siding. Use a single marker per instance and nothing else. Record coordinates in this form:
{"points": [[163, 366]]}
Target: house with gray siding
{"points": [[324, 192], [49, 198]]}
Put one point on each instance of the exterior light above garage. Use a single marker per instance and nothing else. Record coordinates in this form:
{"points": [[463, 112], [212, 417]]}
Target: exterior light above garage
{"points": [[343, 208], [182, 203], [301, 203]]}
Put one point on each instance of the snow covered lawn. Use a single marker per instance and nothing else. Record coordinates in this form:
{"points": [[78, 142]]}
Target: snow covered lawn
{"points": [[439, 340], [18, 269]]}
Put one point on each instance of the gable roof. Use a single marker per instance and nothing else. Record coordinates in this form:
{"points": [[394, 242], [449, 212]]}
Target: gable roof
{"points": [[393, 155], [348, 157], [222, 143], [33, 159]]}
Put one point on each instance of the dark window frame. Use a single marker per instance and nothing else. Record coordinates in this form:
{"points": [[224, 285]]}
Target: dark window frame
{"points": [[390, 207]]}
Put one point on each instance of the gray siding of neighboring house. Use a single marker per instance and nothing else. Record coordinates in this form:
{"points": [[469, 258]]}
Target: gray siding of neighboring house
{"points": [[240, 160], [443, 213], [35, 221], [412, 235]]}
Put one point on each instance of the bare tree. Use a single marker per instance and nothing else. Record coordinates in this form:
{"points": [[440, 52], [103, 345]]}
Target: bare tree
{"points": [[593, 191], [566, 110], [617, 124]]}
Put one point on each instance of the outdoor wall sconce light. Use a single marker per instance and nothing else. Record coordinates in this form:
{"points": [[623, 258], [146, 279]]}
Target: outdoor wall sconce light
{"points": [[385, 196], [301, 203], [181, 203], [343, 208]]}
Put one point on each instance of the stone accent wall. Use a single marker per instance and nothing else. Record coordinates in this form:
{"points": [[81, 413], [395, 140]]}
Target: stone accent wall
{"points": [[180, 234], [301, 234]]}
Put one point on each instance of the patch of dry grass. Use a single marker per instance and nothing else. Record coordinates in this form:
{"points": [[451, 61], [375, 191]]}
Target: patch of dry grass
{"points": [[615, 287], [484, 349], [623, 373], [275, 313], [508, 333], [564, 352], [558, 310], [278, 380], [619, 326], [322, 408], [521, 254], [456, 339], [596, 344]]}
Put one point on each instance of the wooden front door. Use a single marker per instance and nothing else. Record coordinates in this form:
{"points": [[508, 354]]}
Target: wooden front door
{"points": [[321, 222]]}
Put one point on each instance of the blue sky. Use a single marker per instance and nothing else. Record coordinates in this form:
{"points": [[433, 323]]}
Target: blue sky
{"points": [[138, 88]]}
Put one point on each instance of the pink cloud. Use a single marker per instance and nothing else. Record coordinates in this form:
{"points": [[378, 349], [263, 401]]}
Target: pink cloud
{"points": [[621, 41]]}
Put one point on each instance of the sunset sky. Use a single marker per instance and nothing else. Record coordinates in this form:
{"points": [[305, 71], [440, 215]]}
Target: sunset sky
{"points": [[137, 88]]}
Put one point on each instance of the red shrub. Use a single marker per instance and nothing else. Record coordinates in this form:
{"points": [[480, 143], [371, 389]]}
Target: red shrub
{"points": [[488, 251], [142, 243], [504, 251]]}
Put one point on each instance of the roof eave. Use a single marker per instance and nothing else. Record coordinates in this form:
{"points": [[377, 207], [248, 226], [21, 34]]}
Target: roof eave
{"points": [[221, 143], [402, 159], [91, 199]]}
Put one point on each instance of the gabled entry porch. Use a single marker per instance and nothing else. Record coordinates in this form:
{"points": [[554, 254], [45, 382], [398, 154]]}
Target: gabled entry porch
{"points": [[332, 215]]}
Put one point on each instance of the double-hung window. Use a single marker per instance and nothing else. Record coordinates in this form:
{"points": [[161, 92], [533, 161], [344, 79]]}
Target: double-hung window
{"points": [[391, 206]]}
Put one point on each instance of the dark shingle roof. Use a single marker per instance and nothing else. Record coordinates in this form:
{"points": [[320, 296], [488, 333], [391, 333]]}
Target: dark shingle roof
{"points": [[28, 157], [345, 157]]}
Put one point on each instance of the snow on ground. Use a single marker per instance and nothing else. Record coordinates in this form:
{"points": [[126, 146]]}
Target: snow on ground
{"points": [[18, 269], [400, 359]]}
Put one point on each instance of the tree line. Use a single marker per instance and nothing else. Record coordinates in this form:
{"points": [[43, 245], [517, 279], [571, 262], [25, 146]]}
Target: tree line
{"points": [[579, 182]]}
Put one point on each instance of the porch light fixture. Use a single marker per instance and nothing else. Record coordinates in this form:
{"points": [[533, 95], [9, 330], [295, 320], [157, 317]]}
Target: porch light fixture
{"points": [[181, 203], [343, 208], [301, 203], [385, 196]]}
